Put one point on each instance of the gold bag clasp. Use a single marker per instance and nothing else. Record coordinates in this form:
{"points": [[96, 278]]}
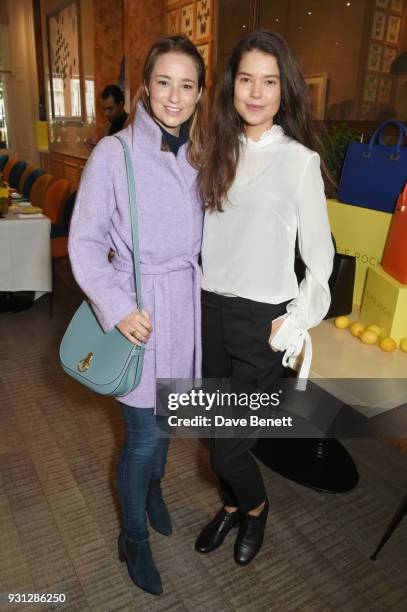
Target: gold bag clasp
{"points": [[85, 363]]}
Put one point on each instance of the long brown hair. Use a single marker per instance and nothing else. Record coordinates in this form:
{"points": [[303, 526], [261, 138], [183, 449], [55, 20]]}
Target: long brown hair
{"points": [[221, 155], [177, 44]]}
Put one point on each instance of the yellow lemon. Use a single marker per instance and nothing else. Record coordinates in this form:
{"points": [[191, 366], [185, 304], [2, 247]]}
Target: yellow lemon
{"points": [[403, 345], [357, 328], [369, 337], [388, 345], [374, 328], [342, 322]]}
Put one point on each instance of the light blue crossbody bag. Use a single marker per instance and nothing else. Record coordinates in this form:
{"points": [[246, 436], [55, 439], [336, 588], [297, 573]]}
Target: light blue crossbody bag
{"points": [[107, 363]]}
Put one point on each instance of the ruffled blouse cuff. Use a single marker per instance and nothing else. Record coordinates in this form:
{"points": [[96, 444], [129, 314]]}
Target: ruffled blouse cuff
{"points": [[292, 339]]}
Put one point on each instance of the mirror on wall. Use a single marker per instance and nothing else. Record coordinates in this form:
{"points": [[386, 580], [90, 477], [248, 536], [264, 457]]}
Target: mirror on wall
{"points": [[347, 50]]}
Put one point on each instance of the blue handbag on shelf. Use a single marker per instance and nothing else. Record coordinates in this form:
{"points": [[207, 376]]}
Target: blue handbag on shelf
{"points": [[106, 362], [374, 174]]}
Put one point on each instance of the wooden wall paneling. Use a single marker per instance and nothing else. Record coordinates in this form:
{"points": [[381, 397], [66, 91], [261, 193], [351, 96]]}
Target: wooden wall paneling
{"points": [[45, 162], [57, 168], [143, 26], [39, 59], [63, 166], [108, 50], [72, 174]]}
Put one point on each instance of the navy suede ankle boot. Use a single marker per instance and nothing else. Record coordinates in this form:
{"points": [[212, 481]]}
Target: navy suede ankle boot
{"points": [[157, 510], [140, 563]]}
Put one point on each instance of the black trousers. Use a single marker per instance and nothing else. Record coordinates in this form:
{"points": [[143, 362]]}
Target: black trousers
{"points": [[235, 345]]}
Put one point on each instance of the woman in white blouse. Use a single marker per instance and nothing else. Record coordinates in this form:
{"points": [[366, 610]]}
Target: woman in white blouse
{"points": [[262, 184]]}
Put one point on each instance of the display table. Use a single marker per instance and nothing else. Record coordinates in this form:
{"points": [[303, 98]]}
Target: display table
{"points": [[363, 376], [25, 254], [342, 363]]}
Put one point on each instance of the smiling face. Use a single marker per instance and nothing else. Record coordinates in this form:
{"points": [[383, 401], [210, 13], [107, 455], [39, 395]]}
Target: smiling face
{"points": [[257, 95], [173, 90]]}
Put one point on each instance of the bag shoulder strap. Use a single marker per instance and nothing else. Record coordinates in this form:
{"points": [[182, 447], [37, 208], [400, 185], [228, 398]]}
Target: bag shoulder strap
{"points": [[134, 219]]}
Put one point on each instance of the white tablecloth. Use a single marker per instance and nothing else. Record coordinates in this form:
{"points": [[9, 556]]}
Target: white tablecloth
{"points": [[25, 254]]}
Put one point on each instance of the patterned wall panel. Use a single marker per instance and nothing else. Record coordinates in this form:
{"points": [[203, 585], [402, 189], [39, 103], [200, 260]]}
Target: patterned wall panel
{"points": [[204, 51], [203, 25], [196, 20], [187, 20], [379, 87]]}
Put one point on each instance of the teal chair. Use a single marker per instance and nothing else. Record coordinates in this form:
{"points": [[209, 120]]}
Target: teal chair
{"points": [[15, 174], [30, 182]]}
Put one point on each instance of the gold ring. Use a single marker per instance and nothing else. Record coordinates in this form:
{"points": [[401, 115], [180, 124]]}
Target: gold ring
{"points": [[134, 334]]}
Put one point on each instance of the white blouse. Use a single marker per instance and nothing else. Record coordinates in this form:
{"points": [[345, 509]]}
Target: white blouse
{"points": [[249, 249]]}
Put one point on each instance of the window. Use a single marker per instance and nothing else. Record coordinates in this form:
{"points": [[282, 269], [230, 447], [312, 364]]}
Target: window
{"points": [[59, 102], [90, 99], [3, 123], [3, 94], [75, 97]]}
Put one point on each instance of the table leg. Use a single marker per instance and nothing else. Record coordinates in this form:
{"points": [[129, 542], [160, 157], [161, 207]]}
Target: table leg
{"points": [[395, 521]]}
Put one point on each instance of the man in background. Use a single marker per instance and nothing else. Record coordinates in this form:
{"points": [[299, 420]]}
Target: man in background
{"points": [[112, 100], [113, 106]]}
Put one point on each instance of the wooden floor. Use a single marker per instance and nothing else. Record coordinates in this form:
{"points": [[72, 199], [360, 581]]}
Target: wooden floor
{"points": [[60, 518]]}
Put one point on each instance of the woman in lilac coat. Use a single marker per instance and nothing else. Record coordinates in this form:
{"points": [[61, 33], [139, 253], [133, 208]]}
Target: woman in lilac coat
{"points": [[165, 138]]}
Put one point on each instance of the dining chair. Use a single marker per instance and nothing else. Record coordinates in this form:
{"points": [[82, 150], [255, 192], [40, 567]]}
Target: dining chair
{"points": [[3, 161], [24, 177], [55, 198], [7, 168], [30, 180], [16, 173], [39, 189], [59, 239]]}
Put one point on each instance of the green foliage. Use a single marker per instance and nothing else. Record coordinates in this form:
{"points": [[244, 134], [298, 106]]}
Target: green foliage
{"points": [[335, 143]]}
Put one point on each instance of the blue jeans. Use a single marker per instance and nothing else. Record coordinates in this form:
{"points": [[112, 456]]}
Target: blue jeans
{"points": [[142, 458]]}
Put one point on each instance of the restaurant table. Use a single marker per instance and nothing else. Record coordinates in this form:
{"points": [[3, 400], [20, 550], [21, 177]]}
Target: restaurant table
{"points": [[25, 254]]}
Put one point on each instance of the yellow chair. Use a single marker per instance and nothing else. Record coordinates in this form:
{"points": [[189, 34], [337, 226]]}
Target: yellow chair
{"points": [[39, 189], [24, 177]]}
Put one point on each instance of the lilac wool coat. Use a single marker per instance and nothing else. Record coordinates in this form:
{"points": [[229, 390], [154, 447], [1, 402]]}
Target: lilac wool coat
{"points": [[170, 216]]}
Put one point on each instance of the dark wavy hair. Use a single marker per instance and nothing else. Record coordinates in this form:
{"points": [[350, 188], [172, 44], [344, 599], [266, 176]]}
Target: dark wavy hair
{"points": [[221, 155], [197, 123]]}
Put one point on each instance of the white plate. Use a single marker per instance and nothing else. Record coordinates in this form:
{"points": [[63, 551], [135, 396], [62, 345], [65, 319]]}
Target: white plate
{"points": [[33, 216]]}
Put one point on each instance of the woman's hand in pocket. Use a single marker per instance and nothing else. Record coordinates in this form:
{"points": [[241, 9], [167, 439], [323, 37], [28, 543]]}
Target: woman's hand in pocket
{"points": [[275, 326], [136, 327]]}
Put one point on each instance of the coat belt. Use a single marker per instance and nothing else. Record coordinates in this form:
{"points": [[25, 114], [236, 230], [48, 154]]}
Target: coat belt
{"points": [[164, 340]]}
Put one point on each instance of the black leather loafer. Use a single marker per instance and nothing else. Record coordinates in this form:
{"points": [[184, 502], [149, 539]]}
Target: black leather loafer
{"points": [[250, 537], [213, 534]]}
